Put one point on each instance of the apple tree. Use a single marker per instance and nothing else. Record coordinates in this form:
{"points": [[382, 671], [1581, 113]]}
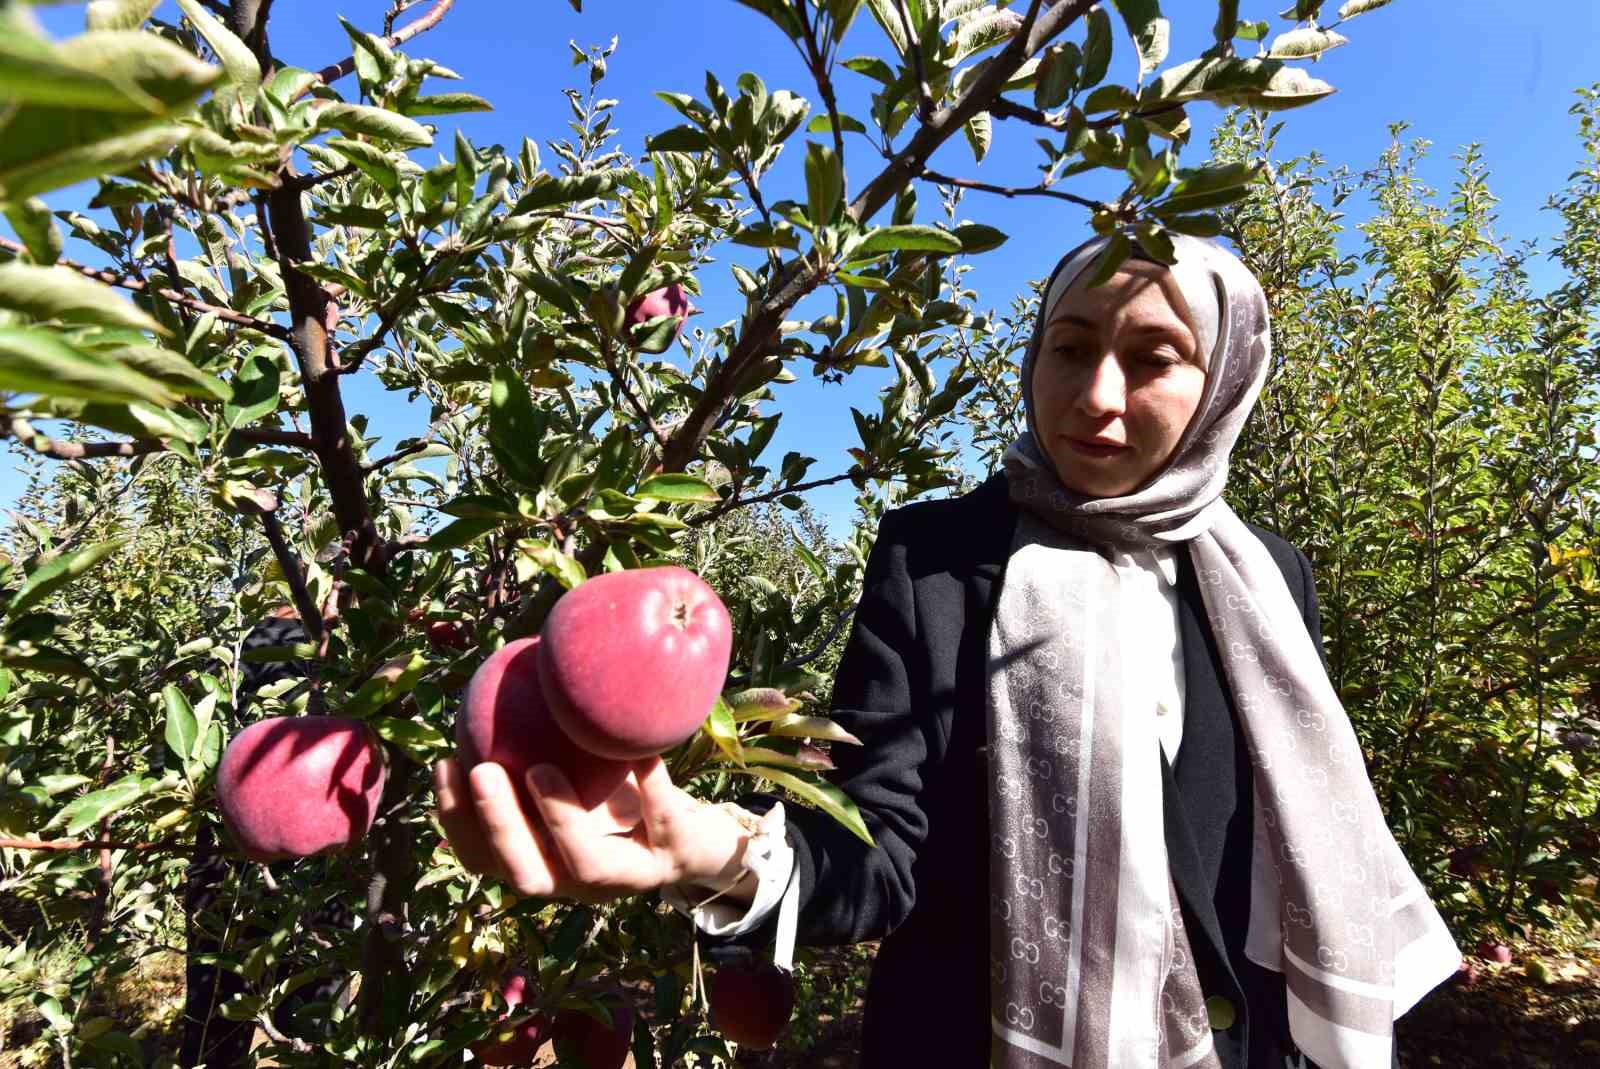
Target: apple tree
{"points": [[260, 233]]}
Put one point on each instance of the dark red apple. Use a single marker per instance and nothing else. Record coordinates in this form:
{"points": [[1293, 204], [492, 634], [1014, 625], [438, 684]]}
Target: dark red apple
{"points": [[1499, 953], [1467, 862], [670, 300], [293, 786], [1466, 974], [633, 661], [448, 635], [527, 1037], [587, 1041], [504, 718], [751, 1001]]}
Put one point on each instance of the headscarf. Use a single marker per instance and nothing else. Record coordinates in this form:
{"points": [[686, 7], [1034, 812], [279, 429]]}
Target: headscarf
{"points": [[1090, 963]]}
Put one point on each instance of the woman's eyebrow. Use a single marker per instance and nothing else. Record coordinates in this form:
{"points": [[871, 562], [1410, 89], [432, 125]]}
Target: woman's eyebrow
{"points": [[1165, 331], [1071, 320]]}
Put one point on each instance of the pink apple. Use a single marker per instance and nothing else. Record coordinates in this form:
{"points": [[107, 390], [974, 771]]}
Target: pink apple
{"points": [[633, 661], [300, 785], [527, 1037], [670, 300]]}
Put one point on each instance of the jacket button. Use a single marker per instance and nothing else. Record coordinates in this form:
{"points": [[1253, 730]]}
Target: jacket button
{"points": [[1220, 1012]]}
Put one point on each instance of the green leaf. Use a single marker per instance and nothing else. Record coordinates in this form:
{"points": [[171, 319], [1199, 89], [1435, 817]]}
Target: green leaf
{"points": [[447, 104], [392, 681], [677, 488], [370, 160], [816, 792], [1211, 177], [1155, 243], [35, 360], [375, 60], [54, 574], [913, 237], [1096, 48], [460, 533], [172, 370], [34, 224], [516, 429], [824, 182], [40, 156], [548, 192], [678, 139], [979, 132], [118, 14], [719, 725], [822, 124], [781, 13], [62, 293], [419, 741], [1150, 31], [255, 391], [183, 730], [1252, 31], [374, 122], [977, 237], [1112, 257], [86, 812], [1200, 226], [1305, 42], [129, 72], [761, 704], [550, 560], [1058, 76], [797, 726], [244, 70]]}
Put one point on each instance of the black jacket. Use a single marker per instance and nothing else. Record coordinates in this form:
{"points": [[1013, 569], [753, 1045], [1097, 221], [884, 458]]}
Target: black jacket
{"points": [[912, 687]]}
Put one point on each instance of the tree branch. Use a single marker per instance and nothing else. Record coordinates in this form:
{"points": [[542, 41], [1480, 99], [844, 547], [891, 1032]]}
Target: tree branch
{"points": [[421, 24], [23, 431], [128, 282], [1009, 191], [738, 502], [274, 436], [295, 574], [168, 846]]}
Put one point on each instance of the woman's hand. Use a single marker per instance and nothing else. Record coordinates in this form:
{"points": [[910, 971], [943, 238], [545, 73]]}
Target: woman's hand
{"points": [[568, 850]]}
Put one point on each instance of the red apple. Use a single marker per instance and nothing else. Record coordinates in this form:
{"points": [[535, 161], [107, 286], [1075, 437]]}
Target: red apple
{"points": [[670, 300], [448, 634], [527, 1037], [1499, 953], [300, 785], [1466, 974], [590, 1042], [633, 661], [504, 718], [1466, 862], [751, 1002]]}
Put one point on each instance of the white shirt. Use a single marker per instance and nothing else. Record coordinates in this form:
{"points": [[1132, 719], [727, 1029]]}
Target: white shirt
{"points": [[1152, 658]]}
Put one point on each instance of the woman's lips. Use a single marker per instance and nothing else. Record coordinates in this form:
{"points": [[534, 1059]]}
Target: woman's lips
{"points": [[1091, 450]]}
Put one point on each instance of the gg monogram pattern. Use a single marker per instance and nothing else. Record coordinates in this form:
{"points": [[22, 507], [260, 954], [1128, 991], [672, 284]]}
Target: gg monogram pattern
{"points": [[1090, 966]]}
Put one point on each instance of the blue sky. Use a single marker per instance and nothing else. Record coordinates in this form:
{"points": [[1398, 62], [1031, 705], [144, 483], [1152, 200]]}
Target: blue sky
{"points": [[1498, 74]]}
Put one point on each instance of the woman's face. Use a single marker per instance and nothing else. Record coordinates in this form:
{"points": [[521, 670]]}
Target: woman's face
{"points": [[1118, 364]]}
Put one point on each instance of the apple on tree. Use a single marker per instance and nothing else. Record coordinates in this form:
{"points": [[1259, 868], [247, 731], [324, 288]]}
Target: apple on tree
{"points": [[526, 1038], [583, 1039], [300, 785], [670, 300], [631, 662], [751, 1000]]}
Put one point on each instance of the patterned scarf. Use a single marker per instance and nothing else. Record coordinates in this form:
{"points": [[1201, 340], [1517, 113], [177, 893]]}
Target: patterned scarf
{"points": [[1090, 963]]}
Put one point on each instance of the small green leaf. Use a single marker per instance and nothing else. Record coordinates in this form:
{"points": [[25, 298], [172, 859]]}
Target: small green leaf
{"points": [[460, 533], [913, 237], [183, 730], [34, 224], [824, 182], [979, 132], [62, 293], [1200, 226], [817, 792], [172, 370], [255, 391], [1112, 257], [37, 160], [1058, 76], [244, 71], [677, 488], [1305, 43], [1156, 243], [86, 812], [550, 560], [118, 14], [1096, 48], [417, 740], [1150, 31], [823, 125], [516, 429], [447, 104], [54, 574], [796, 726], [373, 122], [1351, 8], [548, 192], [720, 726]]}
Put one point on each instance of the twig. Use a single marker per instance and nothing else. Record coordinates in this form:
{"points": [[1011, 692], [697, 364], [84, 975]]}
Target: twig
{"points": [[914, 54], [289, 564], [619, 376], [274, 436], [1009, 191], [736, 502], [421, 24], [23, 431], [127, 282], [805, 658], [303, 182], [168, 846]]}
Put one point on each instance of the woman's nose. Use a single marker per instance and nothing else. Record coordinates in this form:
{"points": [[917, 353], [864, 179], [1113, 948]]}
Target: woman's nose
{"points": [[1104, 389]]}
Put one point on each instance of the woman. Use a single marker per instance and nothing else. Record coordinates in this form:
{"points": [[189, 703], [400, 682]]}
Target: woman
{"points": [[1183, 861]]}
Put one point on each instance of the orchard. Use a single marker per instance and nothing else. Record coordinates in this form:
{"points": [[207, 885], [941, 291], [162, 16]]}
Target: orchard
{"points": [[237, 627]]}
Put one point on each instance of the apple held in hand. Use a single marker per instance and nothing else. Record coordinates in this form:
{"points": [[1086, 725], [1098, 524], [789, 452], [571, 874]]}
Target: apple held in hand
{"points": [[504, 718], [751, 1001], [293, 786], [527, 1037], [633, 661]]}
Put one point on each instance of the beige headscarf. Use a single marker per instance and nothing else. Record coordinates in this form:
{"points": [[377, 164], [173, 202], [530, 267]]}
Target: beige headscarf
{"points": [[1090, 964]]}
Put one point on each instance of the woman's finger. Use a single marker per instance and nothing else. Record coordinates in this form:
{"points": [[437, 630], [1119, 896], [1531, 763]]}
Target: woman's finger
{"points": [[660, 800], [509, 834], [598, 862], [459, 817]]}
